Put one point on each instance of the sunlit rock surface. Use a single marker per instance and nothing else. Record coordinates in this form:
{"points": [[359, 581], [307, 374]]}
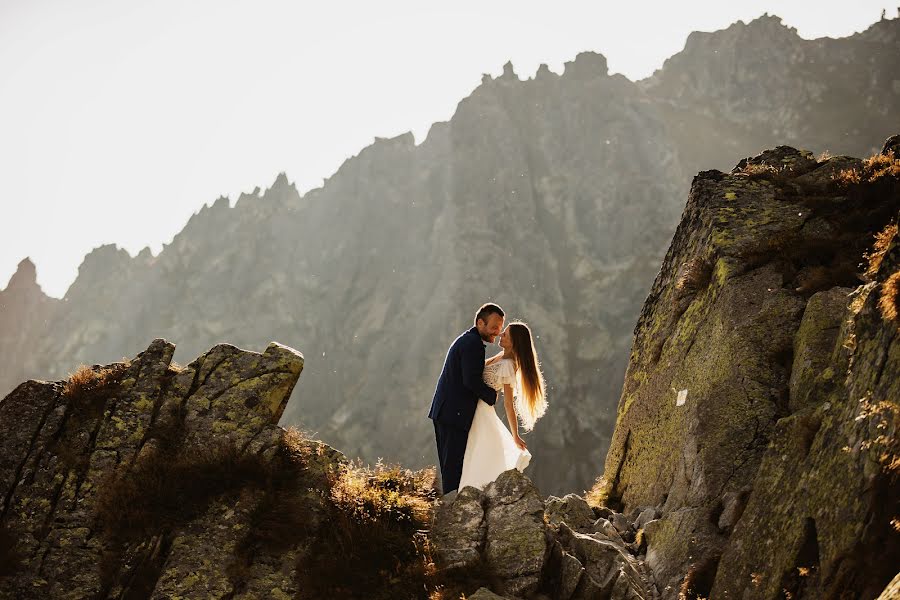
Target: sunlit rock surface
{"points": [[760, 408]]}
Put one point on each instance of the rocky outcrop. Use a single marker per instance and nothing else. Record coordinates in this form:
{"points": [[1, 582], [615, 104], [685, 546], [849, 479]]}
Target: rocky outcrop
{"points": [[554, 195], [759, 412], [147, 479], [557, 548], [136, 478]]}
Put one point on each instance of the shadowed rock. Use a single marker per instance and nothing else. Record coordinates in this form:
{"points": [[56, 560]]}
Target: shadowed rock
{"points": [[60, 443], [759, 404]]}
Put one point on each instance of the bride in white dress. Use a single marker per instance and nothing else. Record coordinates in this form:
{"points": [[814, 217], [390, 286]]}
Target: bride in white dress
{"points": [[490, 447]]}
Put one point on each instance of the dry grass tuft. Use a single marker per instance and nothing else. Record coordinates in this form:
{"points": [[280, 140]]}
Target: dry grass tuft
{"points": [[825, 155], [373, 543], [698, 582], [842, 271], [875, 168], [174, 368], [389, 493], [88, 391], [598, 495], [847, 177], [89, 387], [881, 165], [883, 241], [361, 531], [887, 303], [695, 275], [759, 171]]}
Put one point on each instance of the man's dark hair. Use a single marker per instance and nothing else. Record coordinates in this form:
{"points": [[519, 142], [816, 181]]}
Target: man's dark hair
{"points": [[486, 310]]}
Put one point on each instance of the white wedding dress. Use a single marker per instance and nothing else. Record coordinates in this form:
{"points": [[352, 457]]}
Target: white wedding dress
{"points": [[490, 448]]}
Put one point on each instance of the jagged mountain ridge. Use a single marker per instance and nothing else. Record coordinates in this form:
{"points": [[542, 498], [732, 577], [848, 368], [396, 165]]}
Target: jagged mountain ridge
{"points": [[555, 196]]}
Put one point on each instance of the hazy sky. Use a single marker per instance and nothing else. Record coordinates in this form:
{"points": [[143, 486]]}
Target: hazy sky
{"points": [[119, 119]]}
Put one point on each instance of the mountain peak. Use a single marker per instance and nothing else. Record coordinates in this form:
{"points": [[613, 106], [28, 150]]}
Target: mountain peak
{"points": [[25, 275], [508, 71], [587, 65], [280, 184]]}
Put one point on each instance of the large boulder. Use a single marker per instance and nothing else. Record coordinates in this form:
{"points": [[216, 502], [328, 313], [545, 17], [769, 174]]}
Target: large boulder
{"points": [[80, 457], [821, 519], [458, 530], [755, 360], [516, 543], [571, 509]]}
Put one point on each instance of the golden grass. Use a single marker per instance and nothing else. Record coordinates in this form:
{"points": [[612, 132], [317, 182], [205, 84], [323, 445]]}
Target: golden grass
{"points": [[841, 272], [697, 584], [599, 492], [881, 165], [875, 168], [374, 543], [87, 391], [695, 275], [887, 302], [759, 171], [389, 493], [846, 177], [883, 241], [87, 385]]}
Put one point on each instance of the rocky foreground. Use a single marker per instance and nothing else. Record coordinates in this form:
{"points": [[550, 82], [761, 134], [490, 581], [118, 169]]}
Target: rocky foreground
{"points": [[146, 479], [755, 453]]}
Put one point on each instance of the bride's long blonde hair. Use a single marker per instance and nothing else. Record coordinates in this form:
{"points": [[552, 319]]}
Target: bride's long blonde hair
{"points": [[531, 401]]}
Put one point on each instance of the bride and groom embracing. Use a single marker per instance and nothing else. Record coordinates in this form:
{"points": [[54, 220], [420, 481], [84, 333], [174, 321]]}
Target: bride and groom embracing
{"points": [[473, 444]]}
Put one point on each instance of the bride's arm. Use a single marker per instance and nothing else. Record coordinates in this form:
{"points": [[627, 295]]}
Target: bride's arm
{"points": [[494, 358], [511, 418]]}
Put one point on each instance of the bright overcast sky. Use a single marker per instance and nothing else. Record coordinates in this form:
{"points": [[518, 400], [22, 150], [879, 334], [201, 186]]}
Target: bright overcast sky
{"points": [[120, 119]]}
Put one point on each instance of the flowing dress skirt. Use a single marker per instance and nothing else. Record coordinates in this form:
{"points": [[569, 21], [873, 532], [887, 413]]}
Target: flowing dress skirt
{"points": [[490, 449]]}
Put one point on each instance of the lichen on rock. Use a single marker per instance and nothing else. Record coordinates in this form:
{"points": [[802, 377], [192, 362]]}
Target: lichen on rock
{"points": [[755, 398]]}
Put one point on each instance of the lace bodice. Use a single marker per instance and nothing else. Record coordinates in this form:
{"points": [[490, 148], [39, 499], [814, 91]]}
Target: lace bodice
{"points": [[499, 373]]}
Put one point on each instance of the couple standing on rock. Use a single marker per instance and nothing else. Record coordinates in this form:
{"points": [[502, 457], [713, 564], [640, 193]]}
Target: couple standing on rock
{"points": [[473, 444]]}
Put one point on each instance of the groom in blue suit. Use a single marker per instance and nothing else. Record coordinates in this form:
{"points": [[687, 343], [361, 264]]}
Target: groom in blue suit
{"points": [[458, 390]]}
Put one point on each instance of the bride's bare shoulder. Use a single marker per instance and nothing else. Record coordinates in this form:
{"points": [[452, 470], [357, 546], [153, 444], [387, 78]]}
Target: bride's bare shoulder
{"points": [[494, 358]]}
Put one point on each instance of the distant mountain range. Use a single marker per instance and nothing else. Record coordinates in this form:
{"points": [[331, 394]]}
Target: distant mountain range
{"points": [[554, 196]]}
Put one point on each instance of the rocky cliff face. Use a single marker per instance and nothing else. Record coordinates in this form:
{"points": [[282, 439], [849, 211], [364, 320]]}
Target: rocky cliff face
{"points": [[760, 408], [555, 196], [754, 86]]}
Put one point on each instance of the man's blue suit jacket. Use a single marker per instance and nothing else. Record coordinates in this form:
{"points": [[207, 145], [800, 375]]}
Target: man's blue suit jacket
{"points": [[461, 383]]}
